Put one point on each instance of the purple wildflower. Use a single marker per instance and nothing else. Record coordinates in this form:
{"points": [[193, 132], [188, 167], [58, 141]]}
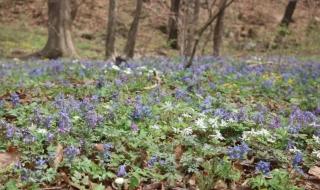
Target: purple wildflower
{"points": [[122, 171], [263, 167], [134, 127], [37, 117], [93, 119], [106, 151], [140, 111], [297, 159], [267, 84], [1, 103], [107, 147], [317, 110], [238, 152], [259, 118], [10, 131], [40, 163], [241, 115], [275, 123], [100, 83], [152, 161], [50, 137], [290, 145], [64, 123], [15, 99], [180, 94], [206, 104], [48, 122], [71, 152], [294, 129], [86, 105], [118, 82]]}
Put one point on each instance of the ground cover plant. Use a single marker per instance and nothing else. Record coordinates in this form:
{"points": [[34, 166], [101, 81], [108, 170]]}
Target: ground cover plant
{"points": [[151, 124]]}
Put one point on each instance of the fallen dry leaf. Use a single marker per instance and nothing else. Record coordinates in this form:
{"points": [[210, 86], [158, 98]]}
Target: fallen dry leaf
{"points": [[99, 147], [8, 158], [315, 170], [153, 186], [59, 156], [192, 180], [221, 185], [178, 151]]}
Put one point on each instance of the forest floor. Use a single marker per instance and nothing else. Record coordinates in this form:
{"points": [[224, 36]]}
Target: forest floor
{"points": [[150, 124], [23, 29], [237, 122]]}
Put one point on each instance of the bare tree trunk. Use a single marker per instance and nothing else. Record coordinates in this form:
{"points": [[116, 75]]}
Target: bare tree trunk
{"points": [[132, 35], [286, 20], [201, 31], [173, 24], [191, 25], [218, 30], [111, 31], [59, 42], [287, 17]]}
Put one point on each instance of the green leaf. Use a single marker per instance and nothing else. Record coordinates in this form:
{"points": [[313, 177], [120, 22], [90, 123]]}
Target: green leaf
{"points": [[134, 182], [11, 185]]}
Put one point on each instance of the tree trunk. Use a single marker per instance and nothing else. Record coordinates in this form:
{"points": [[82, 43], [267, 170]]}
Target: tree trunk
{"points": [[132, 35], [173, 24], [201, 31], [111, 31], [286, 20], [59, 42], [191, 25], [218, 30], [287, 17]]}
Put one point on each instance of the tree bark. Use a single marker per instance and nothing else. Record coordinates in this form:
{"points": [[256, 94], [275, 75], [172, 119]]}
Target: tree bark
{"points": [[111, 31], [287, 17], [59, 42], [132, 35], [201, 31], [191, 25], [173, 24], [285, 22], [218, 30]]}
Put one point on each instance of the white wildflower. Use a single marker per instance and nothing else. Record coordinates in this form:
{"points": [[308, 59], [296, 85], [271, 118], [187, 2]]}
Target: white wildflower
{"points": [[128, 71], [187, 131], [168, 106], [213, 122], [223, 123], [142, 68], [115, 67], [119, 181], [314, 124], [42, 131], [316, 153], [180, 119], [175, 130], [294, 149], [157, 127], [201, 124], [202, 115], [316, 138], [217, 135], [186, 115], [231, 120], [253, 133]]}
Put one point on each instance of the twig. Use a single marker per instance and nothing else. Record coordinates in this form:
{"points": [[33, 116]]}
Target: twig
{"points": [[158, 83], [52, 188]]}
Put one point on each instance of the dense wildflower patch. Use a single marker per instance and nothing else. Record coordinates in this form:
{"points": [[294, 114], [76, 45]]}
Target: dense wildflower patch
{"points": [[149, 120]]}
